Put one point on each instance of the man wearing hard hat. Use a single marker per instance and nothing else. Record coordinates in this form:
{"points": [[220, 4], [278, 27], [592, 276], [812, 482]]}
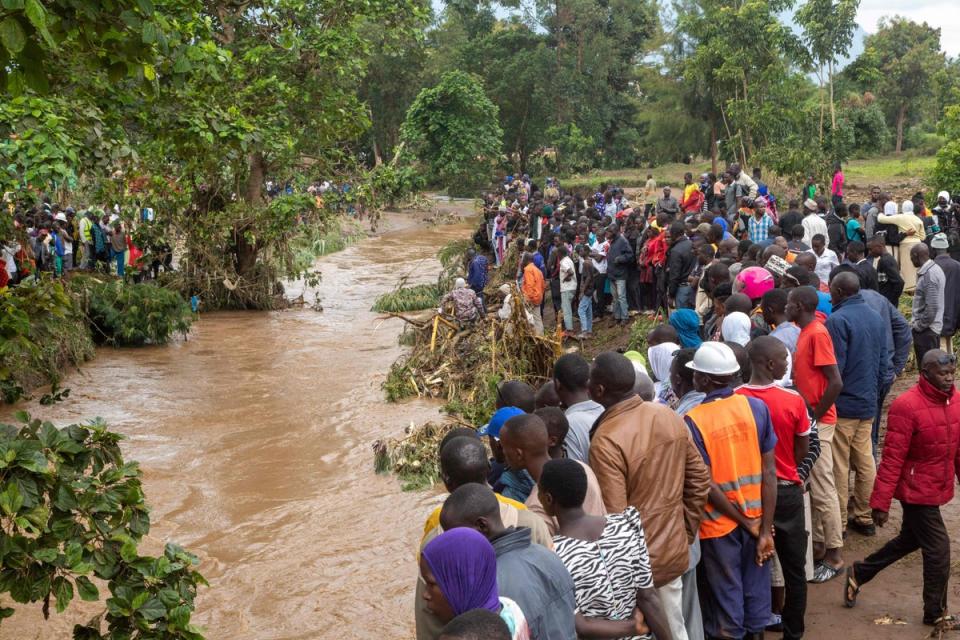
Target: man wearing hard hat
{"points": [[735, 436]]}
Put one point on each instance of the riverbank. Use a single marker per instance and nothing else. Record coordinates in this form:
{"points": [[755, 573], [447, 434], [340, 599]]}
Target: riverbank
{"points": [[254, 436]]}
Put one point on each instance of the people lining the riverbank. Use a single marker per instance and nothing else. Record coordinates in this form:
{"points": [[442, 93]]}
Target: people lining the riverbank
{"points": [[772, 361]]}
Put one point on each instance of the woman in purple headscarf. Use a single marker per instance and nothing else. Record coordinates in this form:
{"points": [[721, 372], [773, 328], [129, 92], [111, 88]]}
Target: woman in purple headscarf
{"points": [[459, 569]]}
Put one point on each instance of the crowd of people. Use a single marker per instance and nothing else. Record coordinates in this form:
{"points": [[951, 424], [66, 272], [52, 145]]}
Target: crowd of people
{"points": [[693, 491], [55, 239]]}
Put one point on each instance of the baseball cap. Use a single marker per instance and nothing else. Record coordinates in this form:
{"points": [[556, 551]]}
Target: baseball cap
{"points": [[493, 427]]}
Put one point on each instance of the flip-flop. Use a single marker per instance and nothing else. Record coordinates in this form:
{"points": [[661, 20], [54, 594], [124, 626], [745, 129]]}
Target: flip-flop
{"points": [[851, 584], [823, 572]]}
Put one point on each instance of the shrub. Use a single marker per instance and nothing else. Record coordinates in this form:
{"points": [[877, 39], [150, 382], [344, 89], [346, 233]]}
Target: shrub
{"points": [[123, 314], [42, 330], [72, 509]]}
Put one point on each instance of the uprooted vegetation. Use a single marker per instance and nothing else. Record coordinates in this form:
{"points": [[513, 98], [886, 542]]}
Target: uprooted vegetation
{"points": [[462, 366]]}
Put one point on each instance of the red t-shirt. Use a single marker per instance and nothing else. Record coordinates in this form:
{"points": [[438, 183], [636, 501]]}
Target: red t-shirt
{"points": [[790, 418], [814, 350]]}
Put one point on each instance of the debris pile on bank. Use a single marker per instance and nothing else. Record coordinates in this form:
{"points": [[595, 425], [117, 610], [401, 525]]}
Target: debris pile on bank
{"points": [[462, 366]]}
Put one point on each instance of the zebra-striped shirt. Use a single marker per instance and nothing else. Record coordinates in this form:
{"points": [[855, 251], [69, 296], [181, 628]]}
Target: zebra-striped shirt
{"points": [[608, 572]]}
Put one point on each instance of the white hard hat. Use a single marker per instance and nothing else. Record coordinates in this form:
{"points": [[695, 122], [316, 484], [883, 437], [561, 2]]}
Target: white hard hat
{"points": [[714, 358]]}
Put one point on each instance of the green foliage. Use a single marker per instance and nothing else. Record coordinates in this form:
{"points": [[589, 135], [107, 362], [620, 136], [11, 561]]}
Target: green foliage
{"points": [[389, 184], [399, 384], [901, 62], [131, 315], [72, 509], [575, 150], [42, 330], [870, 131], [452, 128], [412, 298], [945, 174], [129, 38]]}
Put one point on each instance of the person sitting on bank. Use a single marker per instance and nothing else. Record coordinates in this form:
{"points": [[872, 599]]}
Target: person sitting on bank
{"points": [[467, 306]]}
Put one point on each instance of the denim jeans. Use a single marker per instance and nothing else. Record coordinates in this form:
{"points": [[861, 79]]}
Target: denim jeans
{"points": [[620, 299], [585, 311], [566, 303], [120, 257], [686, 296]]}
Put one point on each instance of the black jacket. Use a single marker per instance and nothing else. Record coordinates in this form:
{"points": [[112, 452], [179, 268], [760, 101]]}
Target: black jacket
{"points": [[788, 221], [951, 294], [868, 275], [836, 233], [619, 258], [680, 264]]}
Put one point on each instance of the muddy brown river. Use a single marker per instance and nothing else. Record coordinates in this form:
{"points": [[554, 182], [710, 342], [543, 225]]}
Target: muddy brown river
{"points": [[255, 440]]}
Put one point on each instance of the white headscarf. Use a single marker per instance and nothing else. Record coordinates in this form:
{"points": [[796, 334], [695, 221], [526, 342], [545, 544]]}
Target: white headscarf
{"points": [[907, 206], [459, 283], [890, 208], [945, 195], [660, 357], [736, 328]]}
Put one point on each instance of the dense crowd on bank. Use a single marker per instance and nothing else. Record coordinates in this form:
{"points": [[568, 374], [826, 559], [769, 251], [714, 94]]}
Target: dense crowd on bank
{"points": [[693, 491]]}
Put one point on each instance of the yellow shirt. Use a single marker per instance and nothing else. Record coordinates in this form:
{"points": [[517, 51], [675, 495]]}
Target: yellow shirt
{"points": [[433, 520], [687, 190]]}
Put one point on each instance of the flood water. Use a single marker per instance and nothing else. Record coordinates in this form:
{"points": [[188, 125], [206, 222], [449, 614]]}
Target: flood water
{"points": [[255, 440]]}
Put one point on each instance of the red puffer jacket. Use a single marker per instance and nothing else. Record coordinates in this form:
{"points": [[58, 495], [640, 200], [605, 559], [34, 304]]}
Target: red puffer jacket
{"points": [[921, 453]]}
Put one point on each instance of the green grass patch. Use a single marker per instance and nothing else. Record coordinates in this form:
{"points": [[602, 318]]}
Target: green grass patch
{"points": [[888, 170], [413, 298]]}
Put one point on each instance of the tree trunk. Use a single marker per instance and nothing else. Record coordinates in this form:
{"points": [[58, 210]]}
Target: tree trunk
{"points": [[255, 177], [713, 147], [822, 106], [833, 112], [901, 117], [377, 157], [246, 251]]}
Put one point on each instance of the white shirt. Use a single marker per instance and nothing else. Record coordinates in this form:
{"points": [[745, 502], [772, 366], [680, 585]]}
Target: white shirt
{"points": [[825, 263], [604, 248], [813, 225], [567, 270]]}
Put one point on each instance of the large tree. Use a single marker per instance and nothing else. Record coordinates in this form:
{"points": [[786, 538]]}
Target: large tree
{"points": [[453, 129], [828, 28], [901, 62]]}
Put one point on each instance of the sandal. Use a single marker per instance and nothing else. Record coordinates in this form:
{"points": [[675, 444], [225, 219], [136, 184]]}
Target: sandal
{"points": [[945, 623], [824, 572], [850, 599]]}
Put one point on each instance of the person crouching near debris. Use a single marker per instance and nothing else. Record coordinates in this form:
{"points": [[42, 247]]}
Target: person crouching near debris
{"points": [[921, 457], [467, 307]]}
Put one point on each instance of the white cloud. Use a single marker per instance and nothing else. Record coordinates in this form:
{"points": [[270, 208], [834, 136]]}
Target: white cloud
{"points": [[936, 13]]}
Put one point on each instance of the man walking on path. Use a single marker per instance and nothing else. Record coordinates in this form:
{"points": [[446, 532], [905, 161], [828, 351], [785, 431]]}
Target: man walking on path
{"points": [[921, 458], [939, 246]]}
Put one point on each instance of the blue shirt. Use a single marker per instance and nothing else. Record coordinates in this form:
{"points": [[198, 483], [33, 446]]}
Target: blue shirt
{"points": [[861, 348], [824, 303], [761, 415], [477, 273]]}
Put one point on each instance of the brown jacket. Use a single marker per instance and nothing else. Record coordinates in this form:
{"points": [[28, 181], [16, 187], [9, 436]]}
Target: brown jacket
{"points": [[644, 457]]}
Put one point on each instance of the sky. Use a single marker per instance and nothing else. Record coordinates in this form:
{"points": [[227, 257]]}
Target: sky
{"points": [[944, 14]]}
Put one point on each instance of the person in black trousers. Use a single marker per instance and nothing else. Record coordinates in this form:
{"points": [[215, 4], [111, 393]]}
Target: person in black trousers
{"points": [[918, 467]]}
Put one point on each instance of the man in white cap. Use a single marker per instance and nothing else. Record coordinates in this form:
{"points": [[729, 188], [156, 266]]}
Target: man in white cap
{"points": [[939, 246], [812, 223], [466, 305], [735, 436]]}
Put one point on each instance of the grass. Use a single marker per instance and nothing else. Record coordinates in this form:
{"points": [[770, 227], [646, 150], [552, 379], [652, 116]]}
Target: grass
{"points": [[412, 298], [888, 170]]}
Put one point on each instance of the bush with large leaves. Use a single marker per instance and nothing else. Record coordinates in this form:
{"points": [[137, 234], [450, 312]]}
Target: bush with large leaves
{"points": [[72, 511]]}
